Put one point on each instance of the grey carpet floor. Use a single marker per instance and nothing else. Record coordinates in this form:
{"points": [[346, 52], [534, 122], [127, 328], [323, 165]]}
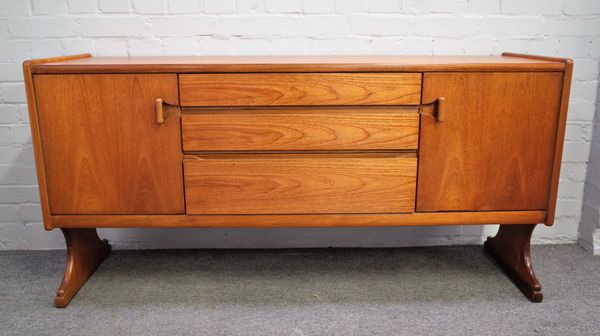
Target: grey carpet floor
{"points": [[410, 291]]}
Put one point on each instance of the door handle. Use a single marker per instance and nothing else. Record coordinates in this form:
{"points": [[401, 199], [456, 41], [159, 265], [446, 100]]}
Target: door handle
{"points": [[159, 107], [160, 112], [435, 109]]}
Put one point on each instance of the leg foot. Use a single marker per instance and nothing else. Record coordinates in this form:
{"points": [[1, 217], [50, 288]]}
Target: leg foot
{"points": [[85, 252], [510, 248]]}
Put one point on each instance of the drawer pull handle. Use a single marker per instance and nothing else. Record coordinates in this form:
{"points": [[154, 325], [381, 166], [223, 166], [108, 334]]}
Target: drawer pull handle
{"points": [[440, 112], [159, 106], [435, 109]]}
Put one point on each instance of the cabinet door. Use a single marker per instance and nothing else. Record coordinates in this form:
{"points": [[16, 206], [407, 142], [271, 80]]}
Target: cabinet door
{"points": [[104, 152], [494, 149]]}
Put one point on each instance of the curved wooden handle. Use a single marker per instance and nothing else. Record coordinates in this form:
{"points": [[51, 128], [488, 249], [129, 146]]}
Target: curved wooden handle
{"points": [[160, 112], [440, 113], [436, 109]]}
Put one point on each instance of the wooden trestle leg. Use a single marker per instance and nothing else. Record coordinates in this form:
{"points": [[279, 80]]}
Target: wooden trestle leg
{"points": [[85, 252], [510, 247]]}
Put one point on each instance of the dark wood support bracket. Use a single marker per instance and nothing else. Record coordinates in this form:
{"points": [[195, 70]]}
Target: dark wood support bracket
{"points": [[85, 252], [511, 249]]}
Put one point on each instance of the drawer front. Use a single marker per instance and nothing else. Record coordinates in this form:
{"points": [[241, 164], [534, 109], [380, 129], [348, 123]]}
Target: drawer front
{"points": [[300, 89], [319, 129], [300, 184]]}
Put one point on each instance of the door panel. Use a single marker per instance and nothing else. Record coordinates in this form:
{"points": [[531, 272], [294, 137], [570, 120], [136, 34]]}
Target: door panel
{"points": [[104, 151], [494, 149]]}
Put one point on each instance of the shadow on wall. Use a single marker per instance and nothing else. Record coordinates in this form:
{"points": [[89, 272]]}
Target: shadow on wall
{"points": [[295, 237], [589, 226]]}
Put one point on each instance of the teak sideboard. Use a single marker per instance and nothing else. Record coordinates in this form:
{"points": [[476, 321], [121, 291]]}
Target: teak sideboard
{"points": [[297, 142]]}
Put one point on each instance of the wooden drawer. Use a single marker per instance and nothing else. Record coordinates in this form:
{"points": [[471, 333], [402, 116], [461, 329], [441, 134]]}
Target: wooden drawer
{"points": [[300, 129], [300, 183], [300, 89]]}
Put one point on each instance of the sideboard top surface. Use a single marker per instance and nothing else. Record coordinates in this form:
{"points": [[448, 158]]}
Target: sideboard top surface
{"points": [[183, 64]]}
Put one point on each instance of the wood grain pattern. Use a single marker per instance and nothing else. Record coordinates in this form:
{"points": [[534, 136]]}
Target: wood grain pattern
{"points": [[495, 149], [104, 152], [338, 63], [511, 249], [85, 252], [562, 122], [560, 139], [297, 142], [35, 131], [300, 129], [300, 89], [307, 220], [275, 184]]}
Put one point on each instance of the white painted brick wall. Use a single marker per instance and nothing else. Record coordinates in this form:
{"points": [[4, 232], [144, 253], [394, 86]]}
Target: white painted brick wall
{"points": [[589, 228], [42, 28]]}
